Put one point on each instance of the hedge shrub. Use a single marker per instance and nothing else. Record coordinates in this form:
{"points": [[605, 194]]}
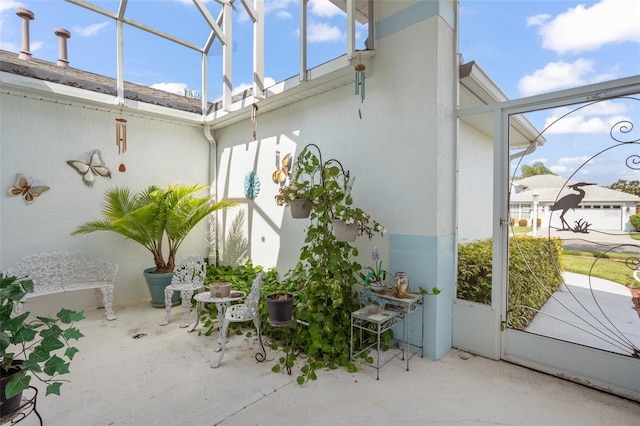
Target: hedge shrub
{"points": [[526, 293], [635, 221]]}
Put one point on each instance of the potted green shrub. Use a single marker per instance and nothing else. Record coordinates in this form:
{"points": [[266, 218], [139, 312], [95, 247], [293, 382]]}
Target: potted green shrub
{"points": [[152, 217], [40, 347]]}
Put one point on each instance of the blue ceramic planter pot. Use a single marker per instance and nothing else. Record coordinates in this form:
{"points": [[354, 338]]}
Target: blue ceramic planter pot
{"points": [[156, 283]]}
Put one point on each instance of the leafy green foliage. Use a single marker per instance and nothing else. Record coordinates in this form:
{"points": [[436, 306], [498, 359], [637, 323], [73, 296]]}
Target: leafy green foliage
{"points": [[537, 168], [33, 345], [630, 187], [530, 283], [635, 221], [153, 214]]}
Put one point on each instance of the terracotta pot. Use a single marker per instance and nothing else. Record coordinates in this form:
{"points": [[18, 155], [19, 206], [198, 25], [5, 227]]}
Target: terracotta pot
{"points": [[221, 289]]}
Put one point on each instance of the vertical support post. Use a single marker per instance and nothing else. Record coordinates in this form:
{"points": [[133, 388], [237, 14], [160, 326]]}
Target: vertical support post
{"points": [[534, 215], [204, 70], [120, 53], [303, 40], [258, 51], [227, 50], [351, 29]]}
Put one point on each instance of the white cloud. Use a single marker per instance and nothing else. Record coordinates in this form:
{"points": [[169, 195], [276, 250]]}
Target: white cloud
{"points": [[537, 19], [321, 32], [581, 124], [268, 82], [284, 14], [568, 161], [35, 46], [324, 8], [582, 29], [8, 46], [90, 30], [9, 5], [177, 88], [555, 76]]}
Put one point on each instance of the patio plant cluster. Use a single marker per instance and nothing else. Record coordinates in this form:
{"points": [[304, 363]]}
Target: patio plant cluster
{"points": [[41, 346]]}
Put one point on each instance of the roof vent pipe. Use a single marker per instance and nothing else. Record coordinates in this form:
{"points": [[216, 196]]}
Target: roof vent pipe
{"points": [[63, 35], [26, 16]]}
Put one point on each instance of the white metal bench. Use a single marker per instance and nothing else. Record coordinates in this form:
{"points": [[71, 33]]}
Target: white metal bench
{"points": [[58, 272]]}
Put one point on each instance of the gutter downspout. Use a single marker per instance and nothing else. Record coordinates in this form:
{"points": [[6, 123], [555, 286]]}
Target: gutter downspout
{"points": [[212, 238]]}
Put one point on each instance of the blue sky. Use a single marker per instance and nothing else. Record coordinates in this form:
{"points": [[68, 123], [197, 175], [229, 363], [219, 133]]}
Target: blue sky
{"points": [[526, 46]]}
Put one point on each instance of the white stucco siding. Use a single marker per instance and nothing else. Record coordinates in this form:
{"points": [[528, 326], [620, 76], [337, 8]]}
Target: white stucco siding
{"points": [[401, 152], [475, 184], [38, 137]]}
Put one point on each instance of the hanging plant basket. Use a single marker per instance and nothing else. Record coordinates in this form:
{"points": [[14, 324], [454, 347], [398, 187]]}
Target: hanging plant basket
{"points": [[345, 232], [300, 208]]}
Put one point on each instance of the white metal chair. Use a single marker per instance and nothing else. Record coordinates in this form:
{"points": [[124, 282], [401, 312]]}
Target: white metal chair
{"points": [[241, 312], [187, 279]]}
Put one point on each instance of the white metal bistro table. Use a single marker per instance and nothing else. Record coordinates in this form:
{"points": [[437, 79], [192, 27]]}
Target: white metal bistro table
{"points": [[222, 303]]}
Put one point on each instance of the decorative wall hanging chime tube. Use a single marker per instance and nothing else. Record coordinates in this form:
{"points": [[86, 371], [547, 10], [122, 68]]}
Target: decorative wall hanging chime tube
{"points": [[121, 140], [359, 83]]}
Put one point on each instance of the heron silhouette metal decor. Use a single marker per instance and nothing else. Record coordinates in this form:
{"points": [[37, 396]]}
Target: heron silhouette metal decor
{"points": [[571, 202]]}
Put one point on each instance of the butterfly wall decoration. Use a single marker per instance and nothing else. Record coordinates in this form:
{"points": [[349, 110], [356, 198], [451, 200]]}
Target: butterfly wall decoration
{"points": [[22, 187], [89, 171], [280, 175]]}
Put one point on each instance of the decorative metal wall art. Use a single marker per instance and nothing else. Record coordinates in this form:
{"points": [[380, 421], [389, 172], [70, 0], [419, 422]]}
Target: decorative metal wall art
{"points": [[22, 187], [121, 141], [251, 185], [94, 167], [571, 202], [280, 175]]}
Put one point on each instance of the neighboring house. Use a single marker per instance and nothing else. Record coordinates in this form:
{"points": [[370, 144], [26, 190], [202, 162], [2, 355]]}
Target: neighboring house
{"points": [[601, 208]]}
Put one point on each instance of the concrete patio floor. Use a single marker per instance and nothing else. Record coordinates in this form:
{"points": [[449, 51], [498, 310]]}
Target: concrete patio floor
{"points": [[163, 377]]}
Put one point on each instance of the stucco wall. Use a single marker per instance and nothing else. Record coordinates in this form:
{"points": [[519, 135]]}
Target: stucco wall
{"points": [[402, 153], [475, 181], [38, 137]]}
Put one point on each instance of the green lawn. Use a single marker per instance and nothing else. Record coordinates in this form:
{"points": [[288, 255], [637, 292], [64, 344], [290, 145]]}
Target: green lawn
{"points": [[612, 268]]}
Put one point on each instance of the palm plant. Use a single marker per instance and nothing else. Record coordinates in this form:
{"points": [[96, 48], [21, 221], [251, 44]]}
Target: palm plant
{"points": [[147, 217]]}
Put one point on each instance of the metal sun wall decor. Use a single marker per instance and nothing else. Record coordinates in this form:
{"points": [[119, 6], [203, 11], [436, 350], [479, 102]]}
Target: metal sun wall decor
{"points": [[121, 141], [251, 185], [28, 192], [89, 170]]}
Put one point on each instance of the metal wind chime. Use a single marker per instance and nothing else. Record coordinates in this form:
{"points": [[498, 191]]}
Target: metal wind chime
{"points": [[121, 140], [359, 83]]}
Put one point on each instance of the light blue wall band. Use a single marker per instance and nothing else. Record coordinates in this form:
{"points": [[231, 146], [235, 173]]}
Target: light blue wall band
{"points": [[414, 14], [428, 262]]}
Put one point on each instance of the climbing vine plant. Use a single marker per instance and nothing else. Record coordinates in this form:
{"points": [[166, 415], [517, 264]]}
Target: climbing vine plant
{"points": [[323, 280]]}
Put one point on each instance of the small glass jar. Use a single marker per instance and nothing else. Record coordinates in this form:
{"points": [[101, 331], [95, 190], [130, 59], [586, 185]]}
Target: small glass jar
{"points": [[400, 285]]}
